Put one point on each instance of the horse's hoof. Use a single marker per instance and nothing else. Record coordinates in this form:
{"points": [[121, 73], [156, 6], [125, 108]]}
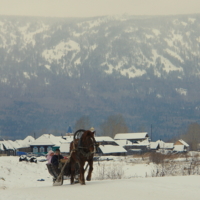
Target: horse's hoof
{"points": [[88, 179]]}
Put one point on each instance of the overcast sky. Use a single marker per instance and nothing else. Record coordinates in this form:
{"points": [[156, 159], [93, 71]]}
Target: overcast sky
{"points": [[87, 8]]}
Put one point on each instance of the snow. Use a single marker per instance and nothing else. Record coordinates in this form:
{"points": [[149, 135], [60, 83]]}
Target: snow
{"points": [[124, 142], [175, 55], [133, 72], [169, 42], [192, 20], [181, 91], [19, 181], [48, 67], [168, 66], [184, 143], [122, 136], [104, 138], [26, 75], [28, 36], [48, 139], [60, 50], [107, 149], [156, 32], [159, 96], [153, 145]]}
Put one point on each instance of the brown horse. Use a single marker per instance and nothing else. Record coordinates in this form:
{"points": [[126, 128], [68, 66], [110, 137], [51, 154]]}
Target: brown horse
{"points": [[82, 150]]}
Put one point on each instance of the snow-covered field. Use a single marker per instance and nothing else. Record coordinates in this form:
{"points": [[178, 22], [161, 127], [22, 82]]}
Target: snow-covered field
{"points": [[117, 179]]}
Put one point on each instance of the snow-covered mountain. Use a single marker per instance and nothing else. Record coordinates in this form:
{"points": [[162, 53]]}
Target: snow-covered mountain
{"points": [[146, 68]]}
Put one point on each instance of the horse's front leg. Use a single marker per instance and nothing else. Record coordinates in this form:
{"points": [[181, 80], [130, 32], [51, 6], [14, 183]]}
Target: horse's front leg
{"points": [[82, 178], [89, 176]]}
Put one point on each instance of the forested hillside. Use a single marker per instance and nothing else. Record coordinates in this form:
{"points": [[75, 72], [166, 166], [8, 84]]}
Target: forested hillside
{"points": [[55, 70]]}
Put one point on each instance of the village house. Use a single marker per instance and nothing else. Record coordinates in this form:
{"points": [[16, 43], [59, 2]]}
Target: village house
{"points": [[45, 143], [24, 145], [133, 142], [65, 145], [108, 146], [132, 137], [181, 146], [165, 147], [7, 148], [154, 146]]}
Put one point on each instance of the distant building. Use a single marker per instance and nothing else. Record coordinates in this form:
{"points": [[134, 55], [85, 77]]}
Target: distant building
{"points": [[7, 148], [132, 137], [108, 146], [45, 143], [154, 146], [165, 146], [181, 146], [133, 142], [69, 132]]}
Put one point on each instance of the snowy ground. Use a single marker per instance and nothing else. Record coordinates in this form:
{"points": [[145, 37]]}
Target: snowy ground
{"points": [[19, 181]]}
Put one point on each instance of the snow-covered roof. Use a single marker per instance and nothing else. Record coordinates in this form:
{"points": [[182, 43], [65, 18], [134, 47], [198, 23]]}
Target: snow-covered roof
{"points": [[14, 144], [184, 143], [24, 143], [68, 138], [29, 139], [153, 145], [7, 145], [106, 149], [129, 136], [164, 145], [48, 139], [123, 142], [140, 144], [179, 148], [104, 139], [64, 147], [1, 146], [20, 143]]}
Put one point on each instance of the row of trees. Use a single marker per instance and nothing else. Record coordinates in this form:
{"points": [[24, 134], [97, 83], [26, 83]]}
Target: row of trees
{"points": [[116, 124], [112, 125], [192, 136]]}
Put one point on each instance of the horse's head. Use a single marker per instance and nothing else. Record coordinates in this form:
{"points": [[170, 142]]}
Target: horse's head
{"points": [[88, 140]]}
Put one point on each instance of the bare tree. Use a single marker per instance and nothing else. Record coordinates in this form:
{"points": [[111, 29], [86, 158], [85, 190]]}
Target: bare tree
{"points": [[113, 125], [192, 136], [82, 123]]}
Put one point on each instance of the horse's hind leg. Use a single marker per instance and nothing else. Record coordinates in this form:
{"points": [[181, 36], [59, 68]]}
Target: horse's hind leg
{"points": [[72, 173], [89, 176]]}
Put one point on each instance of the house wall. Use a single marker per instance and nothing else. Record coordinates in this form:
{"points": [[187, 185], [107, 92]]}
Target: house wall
{"points": [[136, 140], [10, 152], [143, 148], [25, 149], [39, 148]]}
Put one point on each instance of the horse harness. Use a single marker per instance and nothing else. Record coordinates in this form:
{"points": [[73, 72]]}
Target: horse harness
{"points": [[80, 148]]}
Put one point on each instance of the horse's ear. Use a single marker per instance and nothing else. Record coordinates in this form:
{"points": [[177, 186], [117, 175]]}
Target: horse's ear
{"points": [[93, 132]]}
